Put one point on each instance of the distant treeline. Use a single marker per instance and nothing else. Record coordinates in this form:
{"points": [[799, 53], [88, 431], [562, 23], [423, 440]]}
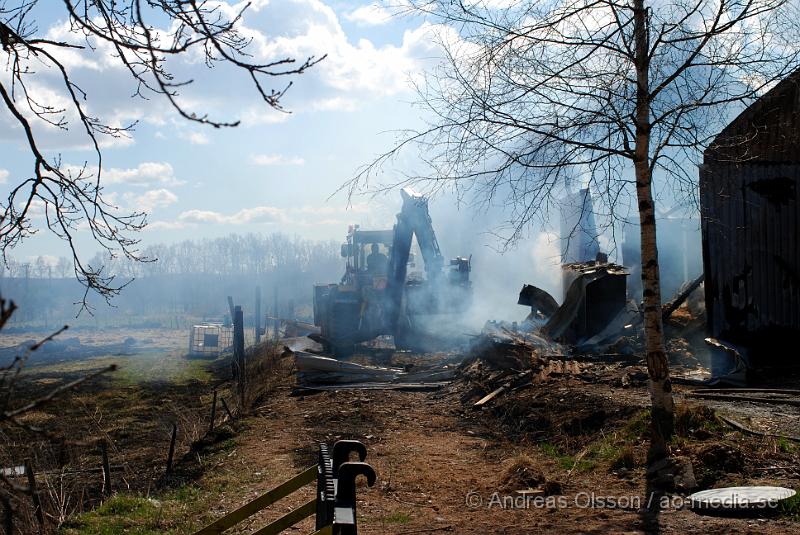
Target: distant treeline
{"points": [[183, 281]]}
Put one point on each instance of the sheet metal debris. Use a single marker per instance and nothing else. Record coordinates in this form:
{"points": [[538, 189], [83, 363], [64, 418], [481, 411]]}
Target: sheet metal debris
{"points": [[326, 373]]}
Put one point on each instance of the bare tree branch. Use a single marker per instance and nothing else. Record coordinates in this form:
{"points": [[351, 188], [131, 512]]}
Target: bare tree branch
{"points": [[71, 198]]}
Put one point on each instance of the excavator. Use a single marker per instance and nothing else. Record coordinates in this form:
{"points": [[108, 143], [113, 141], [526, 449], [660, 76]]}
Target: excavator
{"points": [[377, 296]]}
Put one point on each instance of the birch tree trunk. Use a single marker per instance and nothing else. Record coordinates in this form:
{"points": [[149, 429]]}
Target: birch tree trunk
{"points": [[657, 365]]}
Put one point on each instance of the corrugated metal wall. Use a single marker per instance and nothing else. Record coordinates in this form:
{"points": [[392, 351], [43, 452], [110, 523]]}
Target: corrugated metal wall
{"points": [[750, 222]]}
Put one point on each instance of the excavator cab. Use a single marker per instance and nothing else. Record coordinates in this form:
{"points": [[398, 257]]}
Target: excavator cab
{"points": [[366, 254]]}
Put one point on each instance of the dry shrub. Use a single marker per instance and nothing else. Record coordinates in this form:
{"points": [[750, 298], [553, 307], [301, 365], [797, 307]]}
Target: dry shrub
{"points": [[520, 473], [269, 367], [691, 419], [625, 459]]}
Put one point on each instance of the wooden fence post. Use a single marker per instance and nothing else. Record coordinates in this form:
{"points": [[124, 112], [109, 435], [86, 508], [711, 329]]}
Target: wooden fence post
{"points": [[171, 449], [258, 314], [238, 352], [275, 314], [227, 410], [106, 468], [37, 504], [213, 412]]}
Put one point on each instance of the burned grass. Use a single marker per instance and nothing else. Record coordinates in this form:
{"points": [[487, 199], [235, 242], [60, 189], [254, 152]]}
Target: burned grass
{"points": [[593, 423], [133, 410]]}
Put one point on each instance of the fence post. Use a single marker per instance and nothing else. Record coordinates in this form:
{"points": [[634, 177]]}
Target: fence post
{"points": [[231, 308], [106, 468], [275, 314], [37, 504], [213, 412], [227, 410], [171, 449], [238, 352], [258, 314]]}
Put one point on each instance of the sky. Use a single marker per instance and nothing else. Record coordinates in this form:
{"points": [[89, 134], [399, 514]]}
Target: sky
{"points": [[276, 171]]}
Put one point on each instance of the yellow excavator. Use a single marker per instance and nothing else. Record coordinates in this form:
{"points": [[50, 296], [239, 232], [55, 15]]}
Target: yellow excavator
{"points": [[377, 297]]}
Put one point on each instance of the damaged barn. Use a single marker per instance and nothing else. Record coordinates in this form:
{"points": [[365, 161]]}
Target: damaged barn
{"points": [[750, 217]]}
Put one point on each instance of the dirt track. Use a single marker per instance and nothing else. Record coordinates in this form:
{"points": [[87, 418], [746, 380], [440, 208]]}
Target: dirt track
{"points": [[439, 469]]}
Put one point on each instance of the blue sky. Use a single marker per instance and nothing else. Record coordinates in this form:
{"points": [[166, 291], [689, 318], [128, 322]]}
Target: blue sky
{"points": [[276, 171]]}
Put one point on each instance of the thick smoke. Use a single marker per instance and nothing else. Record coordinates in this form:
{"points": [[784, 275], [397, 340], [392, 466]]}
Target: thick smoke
{"points": [[498, 273]]}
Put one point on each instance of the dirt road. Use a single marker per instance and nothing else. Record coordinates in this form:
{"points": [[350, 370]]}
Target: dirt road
{"points": [[441, 470]]}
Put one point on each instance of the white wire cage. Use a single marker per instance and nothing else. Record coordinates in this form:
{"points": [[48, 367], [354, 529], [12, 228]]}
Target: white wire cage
{"points": [[210, 339]]}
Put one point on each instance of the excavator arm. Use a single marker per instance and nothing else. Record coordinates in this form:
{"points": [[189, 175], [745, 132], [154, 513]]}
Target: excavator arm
{"points": [[413, 219]]}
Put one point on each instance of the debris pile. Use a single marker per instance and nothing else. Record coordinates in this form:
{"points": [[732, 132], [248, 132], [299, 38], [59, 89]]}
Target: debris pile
{"points": [[318, 373]]}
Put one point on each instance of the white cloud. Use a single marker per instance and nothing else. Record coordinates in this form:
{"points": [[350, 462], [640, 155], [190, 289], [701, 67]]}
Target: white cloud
{"points": [[36, 209], [259, 214], [369, 15], [166, 225], [149, 200], [312, 28], [275, 159], [3, 176], [145, 174], [354, 70], [198, 138], [263, 114], [335, 104]]}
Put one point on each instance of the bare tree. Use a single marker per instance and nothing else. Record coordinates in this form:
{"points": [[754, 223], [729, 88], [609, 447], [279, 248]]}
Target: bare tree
{"points": [[143, 36], [612, 93]]}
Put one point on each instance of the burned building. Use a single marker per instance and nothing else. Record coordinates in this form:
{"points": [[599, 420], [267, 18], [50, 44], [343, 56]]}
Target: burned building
{"points": [[594, 297], [750, 216]]}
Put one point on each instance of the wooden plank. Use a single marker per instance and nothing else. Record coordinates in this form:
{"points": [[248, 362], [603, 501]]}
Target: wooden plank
{"points": [[489, 397], [677, 301], [751, 399], [289, 519], [265, 500], [405, 387]]}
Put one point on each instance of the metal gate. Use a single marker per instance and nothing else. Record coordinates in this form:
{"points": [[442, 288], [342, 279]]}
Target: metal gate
{"points": [[334, 505]]}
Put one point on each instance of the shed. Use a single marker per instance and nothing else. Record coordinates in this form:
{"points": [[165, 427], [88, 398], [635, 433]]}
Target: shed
{"points": [[750, 214]]}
